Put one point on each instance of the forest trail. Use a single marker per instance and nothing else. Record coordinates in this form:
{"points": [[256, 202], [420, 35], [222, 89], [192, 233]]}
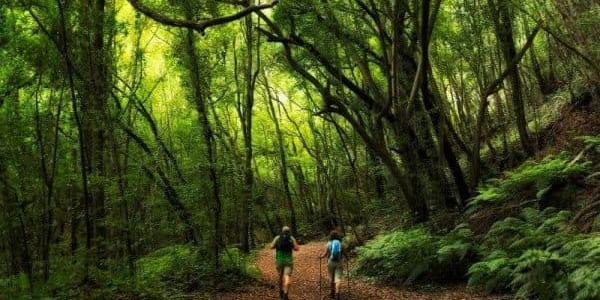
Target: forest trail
{"points": [[305, 284]]}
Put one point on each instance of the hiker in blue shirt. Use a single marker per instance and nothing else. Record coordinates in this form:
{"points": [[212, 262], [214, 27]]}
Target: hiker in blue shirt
{"points": [[333, 252]]}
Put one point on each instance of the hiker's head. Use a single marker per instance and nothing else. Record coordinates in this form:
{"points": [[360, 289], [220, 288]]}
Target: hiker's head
{"points": [[334, 235], [285, 230]]}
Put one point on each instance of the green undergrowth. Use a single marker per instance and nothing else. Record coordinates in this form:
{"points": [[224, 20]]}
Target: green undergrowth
{"points": [[530, 178], [532, 254], [592, 141], [180, 268], [166, 273], [542, 259], [535, 255], [405, 257]]}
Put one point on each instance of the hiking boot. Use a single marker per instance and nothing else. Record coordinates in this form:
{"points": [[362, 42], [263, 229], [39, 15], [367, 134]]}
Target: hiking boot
{"points": [[281, 294], [285, 297], [337, 296]]}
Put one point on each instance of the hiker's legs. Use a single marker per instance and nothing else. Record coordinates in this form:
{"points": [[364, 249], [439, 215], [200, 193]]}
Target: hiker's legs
{"points": [[335, 273], [335, 277], [280, 273], [332, 288], [287, 279]]}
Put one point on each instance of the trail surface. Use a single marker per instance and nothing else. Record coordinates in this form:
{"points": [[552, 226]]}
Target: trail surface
{"points": [[305, 283]]}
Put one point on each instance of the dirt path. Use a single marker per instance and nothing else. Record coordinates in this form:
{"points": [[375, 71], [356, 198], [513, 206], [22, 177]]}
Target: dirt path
{"points": [[305, 283]]}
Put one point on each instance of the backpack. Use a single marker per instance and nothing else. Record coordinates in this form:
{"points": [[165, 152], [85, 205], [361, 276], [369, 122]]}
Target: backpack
{"points": [[284, 243], [335, 250]]}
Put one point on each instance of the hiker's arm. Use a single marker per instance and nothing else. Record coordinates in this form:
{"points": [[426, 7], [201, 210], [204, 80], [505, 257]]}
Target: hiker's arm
{"points": [[296, 246], [325, 252], [273, 243]]}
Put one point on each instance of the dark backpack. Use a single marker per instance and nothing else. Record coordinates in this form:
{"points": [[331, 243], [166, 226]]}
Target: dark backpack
{"points": [[335, 250], [285, 243]]}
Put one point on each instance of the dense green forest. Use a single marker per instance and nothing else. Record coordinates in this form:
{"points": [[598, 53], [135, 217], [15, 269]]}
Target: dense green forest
{"points": [[149, 148]]}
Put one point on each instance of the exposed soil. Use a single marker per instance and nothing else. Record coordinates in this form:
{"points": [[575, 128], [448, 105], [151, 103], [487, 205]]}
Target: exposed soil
{"points": [[574, 121], [306, 283]]}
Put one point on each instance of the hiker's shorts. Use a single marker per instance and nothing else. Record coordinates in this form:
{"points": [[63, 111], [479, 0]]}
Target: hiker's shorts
{"points": [[284, 268], [335, 270]]}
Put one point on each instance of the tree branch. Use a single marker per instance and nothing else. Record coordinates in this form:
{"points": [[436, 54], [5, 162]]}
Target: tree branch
{"points": [[201, 26]]}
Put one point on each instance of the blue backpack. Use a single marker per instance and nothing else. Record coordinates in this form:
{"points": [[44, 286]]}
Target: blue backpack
{"points": [[335, 250]]}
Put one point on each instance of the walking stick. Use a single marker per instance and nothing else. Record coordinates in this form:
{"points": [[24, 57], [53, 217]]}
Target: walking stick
{"points": [[320, 258], [348, 274]]}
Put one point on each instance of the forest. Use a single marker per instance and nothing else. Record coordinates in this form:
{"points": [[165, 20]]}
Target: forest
{"points": [[153, 149]]}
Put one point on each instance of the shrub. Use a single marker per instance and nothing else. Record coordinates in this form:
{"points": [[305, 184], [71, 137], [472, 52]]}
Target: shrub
{"points": [[530, 175], [591, 141], [494, 272], [237, 267], [582, 261], [519, 252], [402, 257], [539, 275], [182, 268], [399, 257], [532, 229], [456, 252], [583, 283]]}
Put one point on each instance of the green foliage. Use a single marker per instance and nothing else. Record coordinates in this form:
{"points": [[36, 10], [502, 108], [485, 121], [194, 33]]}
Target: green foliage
{"points": [[182, 268], [532, 229], [536, 256], [165, 265], [531, 175], [67, 282], [399, 257], [592, 141], [511, 245], [456, 252], [237, 267], [403, 257], [583, 282], [538, 274], [493, 272]]}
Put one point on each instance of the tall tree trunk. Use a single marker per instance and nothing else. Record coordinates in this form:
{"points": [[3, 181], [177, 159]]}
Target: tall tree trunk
{"points": [[200, 99], [504, 31], [119, 170], [249, 76], [48, 174], [63, 44]]}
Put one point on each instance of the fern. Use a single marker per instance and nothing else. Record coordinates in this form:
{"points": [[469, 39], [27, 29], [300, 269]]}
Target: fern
{"points": [[493, 272], [592, 141], [400, 257], [530, 175], [583, 283], [582, 260], [403, 257], [520, 250], [538, 275], [457, 251]]}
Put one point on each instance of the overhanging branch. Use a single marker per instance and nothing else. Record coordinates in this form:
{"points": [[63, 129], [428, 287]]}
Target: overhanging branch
{"points": [[200, 26]]}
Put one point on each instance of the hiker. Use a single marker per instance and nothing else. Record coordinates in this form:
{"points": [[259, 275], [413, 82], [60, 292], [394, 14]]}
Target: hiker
{"points": [[284, 244], [333, 252]]}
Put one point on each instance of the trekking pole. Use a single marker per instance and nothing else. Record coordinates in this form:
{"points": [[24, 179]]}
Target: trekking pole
{"points": [[320, 277], [348, 273]]}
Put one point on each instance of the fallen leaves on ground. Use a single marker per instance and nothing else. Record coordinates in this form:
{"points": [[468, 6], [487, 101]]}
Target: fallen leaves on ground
{"points": [[305, 283]]}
